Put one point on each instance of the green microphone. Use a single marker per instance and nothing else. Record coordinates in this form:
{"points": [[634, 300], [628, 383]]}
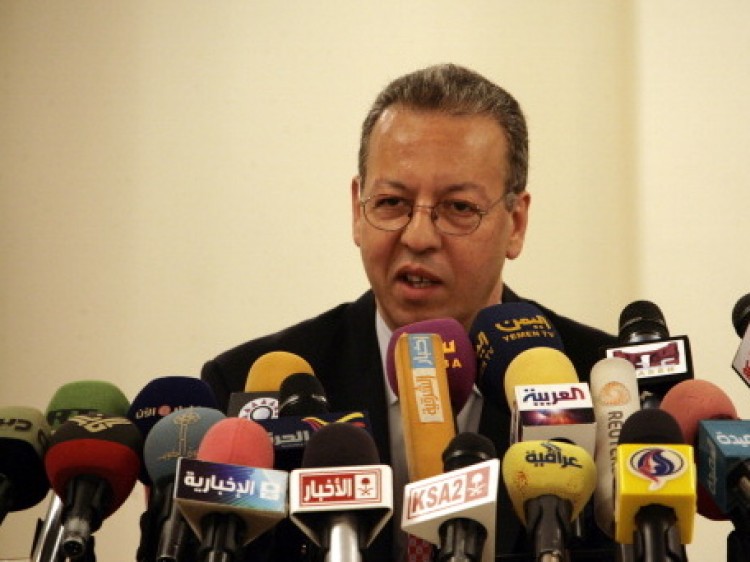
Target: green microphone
{"points": [[85, 397]]}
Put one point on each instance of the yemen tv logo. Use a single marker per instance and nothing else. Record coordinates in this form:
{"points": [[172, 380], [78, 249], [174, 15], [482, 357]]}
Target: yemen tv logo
{"points": [[657, 465]]}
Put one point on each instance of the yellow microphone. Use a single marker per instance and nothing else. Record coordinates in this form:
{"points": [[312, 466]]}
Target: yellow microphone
{"points": [[549, 483], [425, 403], [269, 370], [538, 365], [655, 492], [260, 399]]}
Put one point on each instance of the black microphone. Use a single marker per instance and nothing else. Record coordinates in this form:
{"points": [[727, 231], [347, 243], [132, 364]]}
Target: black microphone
{"points": [[741, 321], [342, 497], [462, 527], [24, 437], [660, 360], [302, 394]]}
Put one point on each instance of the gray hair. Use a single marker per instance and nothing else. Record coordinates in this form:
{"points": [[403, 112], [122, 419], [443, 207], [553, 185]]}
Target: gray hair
{"points": [[457, 91]]}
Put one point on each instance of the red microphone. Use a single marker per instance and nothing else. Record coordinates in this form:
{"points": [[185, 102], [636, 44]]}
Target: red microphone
{"points": [[92, 463], [228, 494], [690, 402]]}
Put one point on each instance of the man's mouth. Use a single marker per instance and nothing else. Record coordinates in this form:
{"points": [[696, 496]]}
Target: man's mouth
{"points": [[418, 281]]}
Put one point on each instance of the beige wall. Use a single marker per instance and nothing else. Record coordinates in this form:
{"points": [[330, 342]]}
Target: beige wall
{"points": [[174, 175]]}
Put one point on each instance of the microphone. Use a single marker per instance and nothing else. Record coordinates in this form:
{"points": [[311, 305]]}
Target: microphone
{"points": [[71, 399], [660, 361], [302, 394], [163, 395], [740, 321], [85, 397], [546, 400], [159, 398], [500, 333], [549, 483], [426, 410], [457, 510], [342, 497], [724, 464], [693, 400], [655, 487], [228, 494], [303, 410], [614, 391], [689, 402], [24, 436], [176, 435], [259, 401], [460, 360], [92, 464]]}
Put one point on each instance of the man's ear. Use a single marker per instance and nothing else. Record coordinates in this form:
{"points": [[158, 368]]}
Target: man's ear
{"points": [[519, 220], [356, 210]]}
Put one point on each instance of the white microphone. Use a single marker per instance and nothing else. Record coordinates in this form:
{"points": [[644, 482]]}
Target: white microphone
{"points": [[457, 510], [614, 390]]}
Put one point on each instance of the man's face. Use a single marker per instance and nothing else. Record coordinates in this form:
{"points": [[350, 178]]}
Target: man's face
{"points": [[418, 273]]}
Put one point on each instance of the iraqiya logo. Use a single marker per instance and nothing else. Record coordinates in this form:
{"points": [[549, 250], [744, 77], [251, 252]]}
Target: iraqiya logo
{"points": [[657, 465]]}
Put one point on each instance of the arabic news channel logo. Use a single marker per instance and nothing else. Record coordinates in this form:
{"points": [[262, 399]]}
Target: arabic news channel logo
{"points": [[657, 465], [614, 393]]}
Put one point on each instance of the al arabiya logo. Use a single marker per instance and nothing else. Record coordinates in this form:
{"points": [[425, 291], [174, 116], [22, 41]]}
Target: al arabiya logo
{"points": [[657, 465]]}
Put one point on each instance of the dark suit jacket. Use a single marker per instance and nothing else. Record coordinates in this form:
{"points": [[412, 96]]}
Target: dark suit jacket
{"points": [[342, 347]]}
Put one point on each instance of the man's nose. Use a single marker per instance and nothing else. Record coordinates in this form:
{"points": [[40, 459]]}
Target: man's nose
{"points": [[421, 233]]}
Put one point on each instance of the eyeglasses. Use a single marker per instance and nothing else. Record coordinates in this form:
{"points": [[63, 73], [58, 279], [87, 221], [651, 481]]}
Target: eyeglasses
{"points": [[454, 217]]}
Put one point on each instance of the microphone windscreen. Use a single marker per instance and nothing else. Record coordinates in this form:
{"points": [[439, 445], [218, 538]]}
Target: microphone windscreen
{"points": [[108, 447], [162, 396], [85, 397], [741, 315], [466, 449], [24, 437], [302, 394], [269, 370], [503, 331], [340, 444], [461, 361], [176, 435], [694, 400], [237, 441], [641, 321], [651, 426], [538, 365], [537, 468]]}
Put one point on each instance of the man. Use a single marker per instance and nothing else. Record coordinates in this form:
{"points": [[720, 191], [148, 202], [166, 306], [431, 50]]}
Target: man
{"points": [[438, 205]]}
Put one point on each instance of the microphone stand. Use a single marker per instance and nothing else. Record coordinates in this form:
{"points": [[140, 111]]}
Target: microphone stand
{"points": [[341, 544], [658, 536], [47, 544], [738, 540], [548, 521]]}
